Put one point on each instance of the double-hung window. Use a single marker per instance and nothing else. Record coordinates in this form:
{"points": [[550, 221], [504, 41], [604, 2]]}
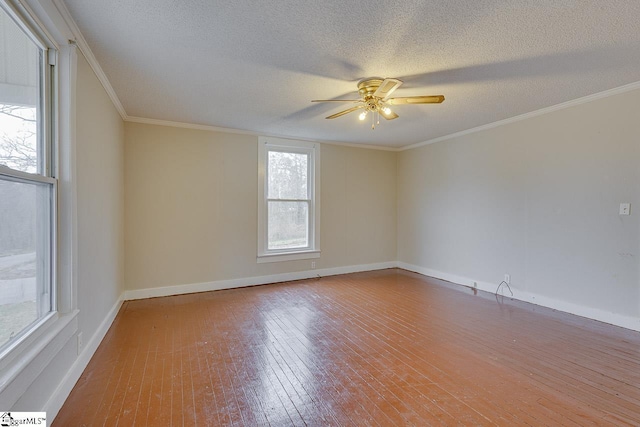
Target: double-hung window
{"points": [[27, 182], [289, 201]]}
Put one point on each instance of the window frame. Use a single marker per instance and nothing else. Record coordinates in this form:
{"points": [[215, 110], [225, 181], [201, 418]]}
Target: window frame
{"points": [[16, 354], [312, 149]]}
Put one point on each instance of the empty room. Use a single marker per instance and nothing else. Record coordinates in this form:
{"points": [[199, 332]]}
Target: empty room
{"points": [[319, 213]]}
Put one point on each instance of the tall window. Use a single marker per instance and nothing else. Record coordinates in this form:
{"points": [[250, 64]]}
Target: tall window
{"points": [[27, 185], [289, 204]]}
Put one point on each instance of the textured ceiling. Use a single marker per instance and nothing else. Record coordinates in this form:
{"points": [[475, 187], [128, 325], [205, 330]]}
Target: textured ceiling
{"points": [[255, 66]]}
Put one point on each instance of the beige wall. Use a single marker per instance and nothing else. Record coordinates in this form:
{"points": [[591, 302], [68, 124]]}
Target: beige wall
{"points": [[537, 199], [191, 207]]}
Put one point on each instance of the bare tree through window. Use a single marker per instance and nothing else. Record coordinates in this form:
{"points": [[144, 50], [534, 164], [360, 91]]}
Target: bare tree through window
{"points": [[18, 142], [18, 150]]}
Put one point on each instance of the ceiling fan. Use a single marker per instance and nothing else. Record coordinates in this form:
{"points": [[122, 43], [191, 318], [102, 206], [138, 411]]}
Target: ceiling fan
{"points": [[374, 98]]}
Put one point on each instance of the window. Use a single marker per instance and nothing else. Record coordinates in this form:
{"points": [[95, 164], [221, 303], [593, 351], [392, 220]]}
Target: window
{"points": [[27, 184], [289, 202]]}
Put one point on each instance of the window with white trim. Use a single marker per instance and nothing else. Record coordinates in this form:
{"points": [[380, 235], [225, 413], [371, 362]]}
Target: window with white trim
{"points": [[27, 183], [288, 200]]}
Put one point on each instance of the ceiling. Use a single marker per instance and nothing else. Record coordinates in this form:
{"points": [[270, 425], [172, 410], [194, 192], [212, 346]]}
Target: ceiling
{"points": [[255, 66]]}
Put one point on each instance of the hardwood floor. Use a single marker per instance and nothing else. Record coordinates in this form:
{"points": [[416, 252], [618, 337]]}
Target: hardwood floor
{"points": [[386, 348]]}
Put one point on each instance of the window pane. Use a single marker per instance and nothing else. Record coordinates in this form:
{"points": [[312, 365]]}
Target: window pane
{"points": [[287, 175], [20, 61], [288, 225], [25, 209]]}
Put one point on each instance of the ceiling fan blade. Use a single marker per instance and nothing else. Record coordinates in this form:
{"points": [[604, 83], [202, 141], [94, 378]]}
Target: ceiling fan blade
{"points": [[342, 113], [386, 88], [337, 100], [390, 116], [433, 99]]}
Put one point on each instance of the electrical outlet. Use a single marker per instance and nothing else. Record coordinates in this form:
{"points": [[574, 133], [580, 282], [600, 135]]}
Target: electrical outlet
{"points": [[80, 342], [625, 208], [313, 265], [507, 279]]}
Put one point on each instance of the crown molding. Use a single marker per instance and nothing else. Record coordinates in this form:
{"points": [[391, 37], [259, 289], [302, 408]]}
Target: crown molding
{"points": [[184, 125], [568, 104], [88, 54], [583, 100], [367, 146], [157, 122]]}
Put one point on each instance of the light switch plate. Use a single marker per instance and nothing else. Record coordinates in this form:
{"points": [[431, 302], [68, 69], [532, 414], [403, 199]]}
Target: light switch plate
{"points": [[625, 208]]}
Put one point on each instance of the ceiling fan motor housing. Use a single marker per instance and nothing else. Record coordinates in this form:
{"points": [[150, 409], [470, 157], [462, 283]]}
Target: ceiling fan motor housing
{"points": [[367, 88]]}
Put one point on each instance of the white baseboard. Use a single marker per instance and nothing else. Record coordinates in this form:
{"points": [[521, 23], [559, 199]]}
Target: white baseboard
{"points": [[57, 399], [628, 322], [251, 281], [55, 402]]}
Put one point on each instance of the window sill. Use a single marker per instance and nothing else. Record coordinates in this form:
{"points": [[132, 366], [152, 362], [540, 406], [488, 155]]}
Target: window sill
{"points": [[25, 361], [289, 256]]}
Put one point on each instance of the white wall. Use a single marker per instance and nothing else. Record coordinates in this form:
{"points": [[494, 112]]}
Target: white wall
{"points": [[537, 199], [100, 186], [191, 216], [100, 211]]}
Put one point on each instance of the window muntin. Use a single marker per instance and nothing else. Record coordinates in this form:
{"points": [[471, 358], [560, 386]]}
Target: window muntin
{"points": [[27, 187], [288, 209]]}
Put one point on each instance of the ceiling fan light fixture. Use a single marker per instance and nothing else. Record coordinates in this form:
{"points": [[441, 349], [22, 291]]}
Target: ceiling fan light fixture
{"points": [[363, 115], [386, 110]]}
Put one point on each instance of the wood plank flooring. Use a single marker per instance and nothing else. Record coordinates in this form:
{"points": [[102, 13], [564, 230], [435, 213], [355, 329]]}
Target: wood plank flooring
{"points": [[383, 348]]}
